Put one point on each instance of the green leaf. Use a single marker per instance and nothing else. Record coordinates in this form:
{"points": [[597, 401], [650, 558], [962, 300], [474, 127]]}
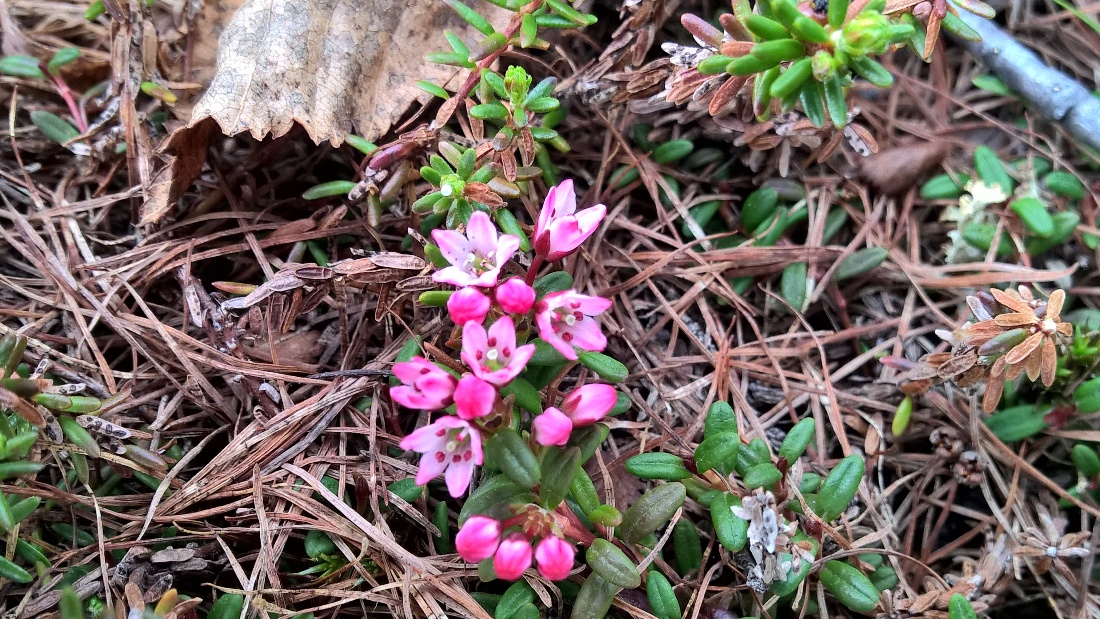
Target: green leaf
{"points": [[650, 511], [95, 10], [811, 98], [1087, 396], [1034, 215], [758, 207], [797, 440], [517, 595], [1017, 423], [872, 71], [594, 598], [78, 435], [748, 456], [672, 151], [318, 543], [778, 50], [559, 468], [661, 596], [835, 102], [328, 190], [54, 127], [792, 79], [13, 572], [765, 28], [654, 465], [958, 607], [717, 452], [991, 84], [838, 11], [514, 457], [489, 111], [21, 66], [849, 586], [991, 170], [839, 488], [943, 187], [62, 57], [1064, 184], [361, 144], [720, 419], [612, 564], [432, 89], [731, 531], [228, 606], [763, 475], [860, 262], [471, 17], [687, 545], [712, 65], [556, 281], [609, 369], [792, 285]]}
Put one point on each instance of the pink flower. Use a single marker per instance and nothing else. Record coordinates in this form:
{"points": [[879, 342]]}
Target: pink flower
{"points": [[560, 229], [426, 386], [513, 557], [474, 397], [554, 557], [515, 296], [582, 407], [449, 445], [478, 539], [477, 256], [565, 320], [588, 404], [552, 427], [493, 356], [468, 304]]}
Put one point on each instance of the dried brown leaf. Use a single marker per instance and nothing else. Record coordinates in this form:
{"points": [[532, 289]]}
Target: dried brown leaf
{"points": [[333, 66]]}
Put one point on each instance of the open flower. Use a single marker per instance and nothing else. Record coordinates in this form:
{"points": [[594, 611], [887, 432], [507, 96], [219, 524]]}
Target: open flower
{"points": [[477, 256], [451, 446], [565, 319], [493, 355], [426, 386], [582, 407], [560, 229]]}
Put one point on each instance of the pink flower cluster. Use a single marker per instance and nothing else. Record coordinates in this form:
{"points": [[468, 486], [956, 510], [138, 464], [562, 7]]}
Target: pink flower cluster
{"points": [[494, 352], [482, 537]]}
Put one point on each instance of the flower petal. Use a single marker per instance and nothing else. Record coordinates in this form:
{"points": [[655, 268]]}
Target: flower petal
{"points": [[454, 246], [482, 233]]}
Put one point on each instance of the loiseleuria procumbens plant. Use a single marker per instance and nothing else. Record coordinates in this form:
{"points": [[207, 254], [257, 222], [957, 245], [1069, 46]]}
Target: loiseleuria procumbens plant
{"points": [[507, 403]]}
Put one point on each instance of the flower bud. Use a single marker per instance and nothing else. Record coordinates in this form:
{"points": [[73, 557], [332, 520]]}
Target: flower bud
{"points": [[589, 404], [554, 558], [474, 397], [552, 427], [512, 557], [468, 304], [515, 296], [478, 539]]}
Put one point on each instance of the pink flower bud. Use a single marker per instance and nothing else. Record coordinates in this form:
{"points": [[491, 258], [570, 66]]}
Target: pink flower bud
{"points": [[468, 304], [552, 427], [554, 557], [560, 228], [589, 404], [515, 296], [474, 397], [513, 557], [478, 539]]}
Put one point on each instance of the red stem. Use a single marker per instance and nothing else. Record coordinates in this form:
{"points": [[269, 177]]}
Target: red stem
{"points": [[74, 109]]}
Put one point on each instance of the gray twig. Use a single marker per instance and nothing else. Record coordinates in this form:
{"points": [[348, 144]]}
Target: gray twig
{"points": [[1051, 93]]}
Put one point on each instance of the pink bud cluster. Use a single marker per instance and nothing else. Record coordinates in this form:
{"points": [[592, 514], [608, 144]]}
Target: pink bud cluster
{"points": [[494, 316], [482, 537]]}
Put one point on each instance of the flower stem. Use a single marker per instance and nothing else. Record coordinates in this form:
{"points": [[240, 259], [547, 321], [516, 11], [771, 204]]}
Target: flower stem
{"points": [[533, 270]]}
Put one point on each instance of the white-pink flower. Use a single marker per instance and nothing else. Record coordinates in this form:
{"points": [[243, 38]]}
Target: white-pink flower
{"points": [[477, 256], [560, 229], [426, 386], [451, 446], [493, 355], [565, 319]]}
